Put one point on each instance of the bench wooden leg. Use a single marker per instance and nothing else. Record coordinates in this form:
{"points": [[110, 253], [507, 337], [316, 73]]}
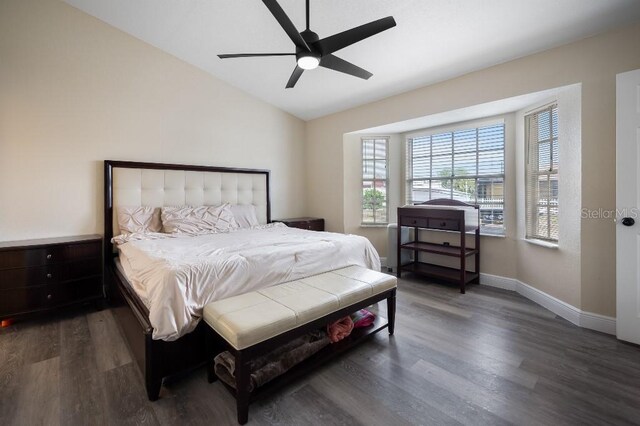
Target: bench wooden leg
{"points": [[153, 389], [242, 374], [391, 311], [211, 373], [210, 356]]}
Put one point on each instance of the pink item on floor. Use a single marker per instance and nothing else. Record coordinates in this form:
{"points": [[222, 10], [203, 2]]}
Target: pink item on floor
{"points": [[340, 329], [362, 318]]}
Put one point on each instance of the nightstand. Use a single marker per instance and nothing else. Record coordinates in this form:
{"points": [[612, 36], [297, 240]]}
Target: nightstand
{"points": [[40, 275], [310, 223]]}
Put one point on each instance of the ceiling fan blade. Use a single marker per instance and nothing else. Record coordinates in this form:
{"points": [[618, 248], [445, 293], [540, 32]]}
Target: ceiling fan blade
{"points": [[338, 64], [346, 38], [250, 55], [297, 72], [286, 24]]}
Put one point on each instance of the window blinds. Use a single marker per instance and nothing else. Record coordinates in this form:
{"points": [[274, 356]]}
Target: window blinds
{"points": [[542, 174], [466, 165], [374, 180]]}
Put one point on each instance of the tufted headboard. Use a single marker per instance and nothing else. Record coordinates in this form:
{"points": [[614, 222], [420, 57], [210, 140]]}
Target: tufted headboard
{"points": [[157, 185]]}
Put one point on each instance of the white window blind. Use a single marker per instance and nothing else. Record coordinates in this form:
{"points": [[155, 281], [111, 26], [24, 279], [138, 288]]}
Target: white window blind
{"points": [[465, 165], [542, 174], [374, 181]]}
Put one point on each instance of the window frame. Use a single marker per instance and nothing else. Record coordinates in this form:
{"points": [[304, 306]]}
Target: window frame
{"points": [[452, 129], [373, 180], [533, 209]]}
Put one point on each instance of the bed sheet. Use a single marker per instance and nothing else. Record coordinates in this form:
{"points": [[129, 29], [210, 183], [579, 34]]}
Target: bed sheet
{"points": [[176, 276]]}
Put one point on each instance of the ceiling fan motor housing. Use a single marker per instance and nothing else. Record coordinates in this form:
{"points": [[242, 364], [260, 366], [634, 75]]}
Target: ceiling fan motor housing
{"points": [[301, 54], [310, 38]]}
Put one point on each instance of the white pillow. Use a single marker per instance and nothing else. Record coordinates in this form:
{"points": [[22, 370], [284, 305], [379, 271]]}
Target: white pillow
{"points": [[198, 220], [245, 215], [139, 219]]}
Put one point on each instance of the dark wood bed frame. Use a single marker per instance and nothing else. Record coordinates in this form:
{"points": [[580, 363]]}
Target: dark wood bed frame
{"points": [[157, 359]]}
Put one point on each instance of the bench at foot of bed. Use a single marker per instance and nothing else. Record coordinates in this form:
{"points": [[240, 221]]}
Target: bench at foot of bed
{"points": [[256, 323]]}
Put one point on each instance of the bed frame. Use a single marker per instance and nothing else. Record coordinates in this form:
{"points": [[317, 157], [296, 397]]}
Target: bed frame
{"points": [[155, 184]]}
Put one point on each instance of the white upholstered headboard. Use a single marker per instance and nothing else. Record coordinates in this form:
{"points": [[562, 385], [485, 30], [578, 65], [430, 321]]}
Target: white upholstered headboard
{"points": [[158, 185]]}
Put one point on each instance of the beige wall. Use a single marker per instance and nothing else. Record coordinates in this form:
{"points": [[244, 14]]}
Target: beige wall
{"points": [[594, 62], [352, 165], [75, 91], [561, 274]]}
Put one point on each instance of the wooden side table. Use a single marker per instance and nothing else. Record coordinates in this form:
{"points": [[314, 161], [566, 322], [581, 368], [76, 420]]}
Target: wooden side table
{"points": [[310, 223]]}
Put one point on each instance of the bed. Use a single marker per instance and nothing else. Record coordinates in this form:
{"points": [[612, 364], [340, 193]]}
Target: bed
{"points": [[160, 323]]}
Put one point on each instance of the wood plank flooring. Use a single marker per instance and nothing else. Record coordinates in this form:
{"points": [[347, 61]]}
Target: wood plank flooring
{"points": [[489, 357]]}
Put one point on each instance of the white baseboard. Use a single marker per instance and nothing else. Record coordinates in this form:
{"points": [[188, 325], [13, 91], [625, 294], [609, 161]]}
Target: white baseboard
{"points": [[499, 282], [569, 312], [601, 323], [557, 306]]}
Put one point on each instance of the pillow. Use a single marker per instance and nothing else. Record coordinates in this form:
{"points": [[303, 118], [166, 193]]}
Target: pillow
{"points": [[139, 219], [245, 215], [198, 220]]}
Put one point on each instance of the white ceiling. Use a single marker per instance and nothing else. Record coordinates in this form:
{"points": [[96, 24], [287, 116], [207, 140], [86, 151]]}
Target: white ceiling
{"points": [[434, 40]]}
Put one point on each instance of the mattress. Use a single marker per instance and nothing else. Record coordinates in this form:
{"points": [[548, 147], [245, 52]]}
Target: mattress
{"points": [[177, 276], [122, 264]]}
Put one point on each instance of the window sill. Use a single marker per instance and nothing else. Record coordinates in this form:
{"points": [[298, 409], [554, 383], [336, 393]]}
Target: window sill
{"points": [[542, 243], [493, 235]]}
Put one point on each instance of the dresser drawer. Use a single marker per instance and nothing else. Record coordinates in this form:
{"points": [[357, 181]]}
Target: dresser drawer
{"points": [[27, 299], [50, 274], [22, 258], [446, 224], [413, 221], [28, 257]]}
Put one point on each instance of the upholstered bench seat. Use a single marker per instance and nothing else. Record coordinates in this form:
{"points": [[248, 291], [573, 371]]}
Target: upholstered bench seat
{"points": [[256, 322], [257, 316]]}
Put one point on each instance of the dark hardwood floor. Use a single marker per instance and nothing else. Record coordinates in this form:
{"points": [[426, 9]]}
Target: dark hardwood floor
{"points": [[485, 357]]}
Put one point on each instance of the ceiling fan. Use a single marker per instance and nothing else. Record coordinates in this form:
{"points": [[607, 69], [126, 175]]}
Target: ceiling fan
{"points": [[312, 52]]}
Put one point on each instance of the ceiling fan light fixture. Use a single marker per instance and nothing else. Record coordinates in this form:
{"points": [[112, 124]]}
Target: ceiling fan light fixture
{"points": [[308, 62]]}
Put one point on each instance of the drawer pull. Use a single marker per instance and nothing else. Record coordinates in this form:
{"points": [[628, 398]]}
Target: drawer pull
{"points": [[49, 256], [414, 221], [49, 276], [443, 223], [49, 297]]}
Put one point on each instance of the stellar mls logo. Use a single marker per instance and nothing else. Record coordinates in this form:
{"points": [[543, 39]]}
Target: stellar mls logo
{"points": [[601, 213]]}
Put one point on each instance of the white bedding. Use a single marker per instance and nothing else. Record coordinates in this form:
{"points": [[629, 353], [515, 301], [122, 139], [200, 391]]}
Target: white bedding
{"points": [[177, 276]]}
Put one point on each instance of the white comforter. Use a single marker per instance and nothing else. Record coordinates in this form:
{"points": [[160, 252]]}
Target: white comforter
{"points": [[177, 277]]}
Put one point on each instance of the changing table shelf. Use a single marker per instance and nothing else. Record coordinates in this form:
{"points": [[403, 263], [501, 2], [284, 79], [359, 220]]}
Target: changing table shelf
{"points": [[441, 215]]}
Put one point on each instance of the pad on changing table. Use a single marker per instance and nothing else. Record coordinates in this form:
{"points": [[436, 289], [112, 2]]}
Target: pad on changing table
{"points": [[471, 214]]}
